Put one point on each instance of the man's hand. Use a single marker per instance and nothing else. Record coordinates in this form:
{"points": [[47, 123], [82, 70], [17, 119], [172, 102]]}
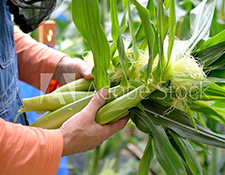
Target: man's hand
{"points": [[82, 133], [71, 65]]}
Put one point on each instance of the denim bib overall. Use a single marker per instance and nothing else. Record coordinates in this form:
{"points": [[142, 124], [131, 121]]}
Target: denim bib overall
{"points": [[10, 99]]}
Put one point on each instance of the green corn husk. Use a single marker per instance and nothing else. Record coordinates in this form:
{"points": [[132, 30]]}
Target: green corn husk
{"points": [[81, 84], [53, 101], [54, 119], [119, 107]]}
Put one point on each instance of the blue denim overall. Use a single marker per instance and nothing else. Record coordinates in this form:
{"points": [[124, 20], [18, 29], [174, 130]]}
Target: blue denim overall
{"points": [[10, 99]]}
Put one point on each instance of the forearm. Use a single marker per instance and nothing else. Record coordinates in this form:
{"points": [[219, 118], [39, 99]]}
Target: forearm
{"points": [[34, 58], [25, 150]]}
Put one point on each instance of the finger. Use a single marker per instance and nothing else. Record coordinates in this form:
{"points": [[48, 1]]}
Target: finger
{"points": [[96, 102], [112, 128], [87, 75], [84, 69]]}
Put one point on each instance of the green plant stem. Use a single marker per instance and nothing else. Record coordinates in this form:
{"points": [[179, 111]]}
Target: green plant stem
{"points": [[134, 46], [117, 158], [222, 12], [213, 168], [95, 166], [103, 12]]}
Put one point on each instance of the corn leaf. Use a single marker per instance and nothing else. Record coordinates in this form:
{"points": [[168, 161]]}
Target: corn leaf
{"points": [[140, 34], [132, 32], [217, 113], [125, 3], [165, 154], [217, 26], [162, 21], [103, 5], [164, 151], [189, 154], [209, 56], [183, 28], [86, 18], [117, 38], [139, 122], [217, 76], [172, 28], [134, 46], [151, 8], [123, 60], [213, 89], [205, 97], [162, 28], [189, 114], [180, 123], [179, 153], [124, 19], [113, 46], [200, 21], [115, 29], [219, 38], [218, 65], [146, 159], [149, 34], [166, 4]]}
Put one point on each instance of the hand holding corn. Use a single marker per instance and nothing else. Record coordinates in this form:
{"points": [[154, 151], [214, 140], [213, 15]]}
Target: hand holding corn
{"points": [[82, 133], [68, 65]]}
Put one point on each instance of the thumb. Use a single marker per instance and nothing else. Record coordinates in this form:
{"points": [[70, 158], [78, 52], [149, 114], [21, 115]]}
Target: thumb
{"points": [[96, 102]]}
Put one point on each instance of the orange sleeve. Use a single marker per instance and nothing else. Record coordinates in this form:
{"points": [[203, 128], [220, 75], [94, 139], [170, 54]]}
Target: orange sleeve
{"points": [[34, 58], [26, 150]]}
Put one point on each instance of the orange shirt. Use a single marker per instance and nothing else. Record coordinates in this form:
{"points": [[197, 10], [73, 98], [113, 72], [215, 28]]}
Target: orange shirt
{"points": [[29, 151], [25, 150]]}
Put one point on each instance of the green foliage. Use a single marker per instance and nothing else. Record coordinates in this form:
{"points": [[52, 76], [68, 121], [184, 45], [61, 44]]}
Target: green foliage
{"points": [[146, 159], [86, 18], [179, 122], [201, 18], [172, 28], [117, 38], [188, 153], [149, 34]]}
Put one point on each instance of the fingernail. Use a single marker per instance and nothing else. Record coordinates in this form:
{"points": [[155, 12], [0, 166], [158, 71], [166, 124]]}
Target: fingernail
{"points": [[104, 93]]}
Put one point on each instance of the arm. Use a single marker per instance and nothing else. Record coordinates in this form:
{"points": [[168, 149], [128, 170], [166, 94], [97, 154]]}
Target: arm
{"points": [[25, 150], [34, 58]]}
